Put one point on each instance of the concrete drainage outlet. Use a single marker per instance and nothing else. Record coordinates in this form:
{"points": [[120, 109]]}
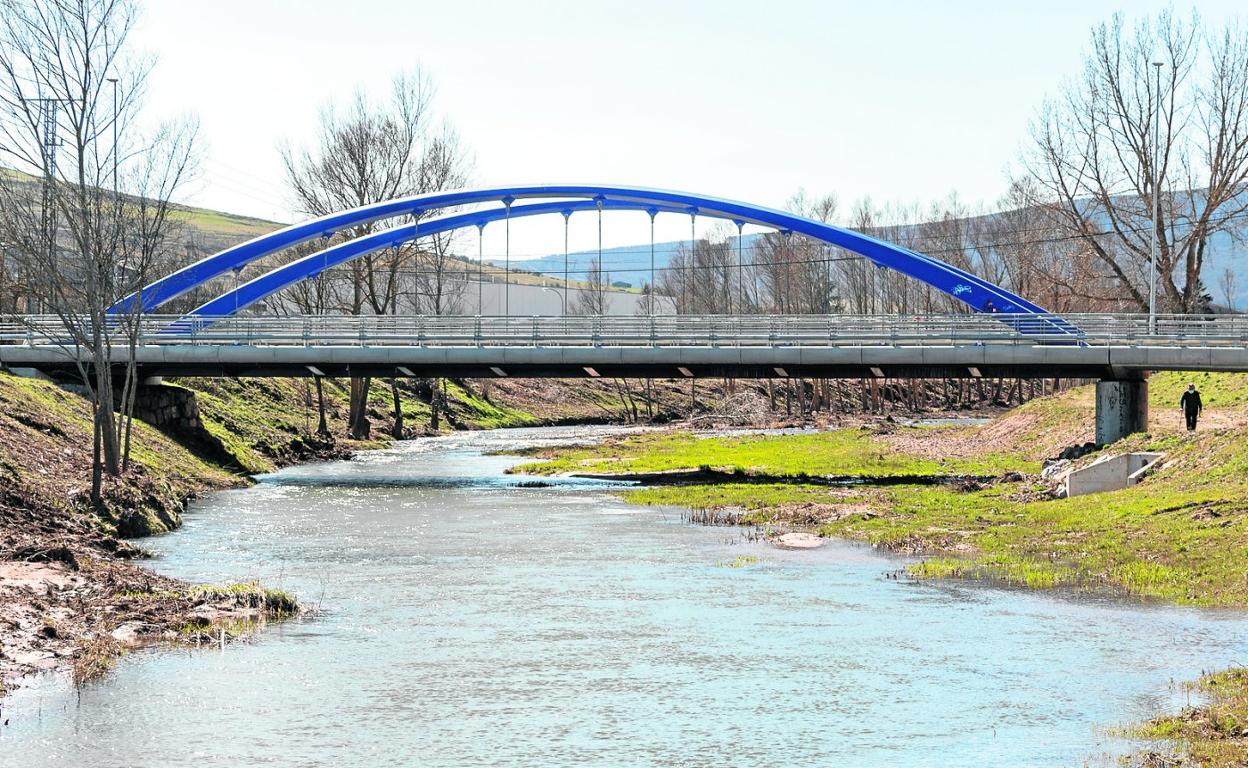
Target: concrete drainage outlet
{"points": [[1109, 473]]}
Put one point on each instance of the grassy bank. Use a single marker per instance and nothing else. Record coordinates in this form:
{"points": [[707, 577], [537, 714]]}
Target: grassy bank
{"points": [[1212, 734], [1179, 536]]}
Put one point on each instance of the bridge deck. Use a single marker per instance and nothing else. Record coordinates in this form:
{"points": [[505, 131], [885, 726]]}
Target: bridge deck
{"points": [[1106, 346]]}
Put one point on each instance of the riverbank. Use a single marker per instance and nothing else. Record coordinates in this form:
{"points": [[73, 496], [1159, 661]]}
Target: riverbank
{"points": [[73, 594], [970, 499], [428, 564], [73, 591]]}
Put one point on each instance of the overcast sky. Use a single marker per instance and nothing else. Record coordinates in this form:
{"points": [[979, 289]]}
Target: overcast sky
{"points": [[750, 100]]}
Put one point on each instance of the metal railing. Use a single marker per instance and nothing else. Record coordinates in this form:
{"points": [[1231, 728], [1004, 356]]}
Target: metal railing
{"points": [[657, 331]]}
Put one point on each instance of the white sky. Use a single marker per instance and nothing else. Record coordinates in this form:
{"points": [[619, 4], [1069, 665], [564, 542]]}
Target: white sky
{"points": [[904, 100]]}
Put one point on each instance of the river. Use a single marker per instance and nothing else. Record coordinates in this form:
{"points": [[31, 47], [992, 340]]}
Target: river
{"points": [[465, 620]]}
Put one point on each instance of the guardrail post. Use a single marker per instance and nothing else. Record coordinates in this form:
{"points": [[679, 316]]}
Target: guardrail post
{"points": [[307, 330], [476, 334], [535, 333]]}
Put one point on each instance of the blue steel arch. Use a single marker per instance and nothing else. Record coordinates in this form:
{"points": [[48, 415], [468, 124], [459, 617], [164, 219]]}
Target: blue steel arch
{"points": [[313, 264], [964, 286]]}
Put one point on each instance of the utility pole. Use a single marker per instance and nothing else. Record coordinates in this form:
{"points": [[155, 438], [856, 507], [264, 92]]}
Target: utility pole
{"points": [[1156, 245], [567, 215], [507, 258], [48, 108]]}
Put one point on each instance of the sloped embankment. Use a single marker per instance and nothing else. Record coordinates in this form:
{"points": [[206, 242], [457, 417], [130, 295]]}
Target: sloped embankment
{"points": [[71, 594]]}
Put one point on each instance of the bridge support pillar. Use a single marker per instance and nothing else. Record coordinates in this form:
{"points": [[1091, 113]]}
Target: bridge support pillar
{"points": [[1121, 409]]}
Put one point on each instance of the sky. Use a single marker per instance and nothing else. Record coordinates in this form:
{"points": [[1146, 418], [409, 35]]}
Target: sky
{"points": [[900, 101]]}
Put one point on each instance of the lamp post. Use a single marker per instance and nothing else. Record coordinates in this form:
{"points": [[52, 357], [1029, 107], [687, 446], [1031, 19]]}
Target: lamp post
{"points": [[1155, 246], [563, 302], [4, 278], [113, 80]]}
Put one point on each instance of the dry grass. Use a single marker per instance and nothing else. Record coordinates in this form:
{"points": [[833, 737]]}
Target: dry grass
{"points": [[94, 659], [1212, 735]]}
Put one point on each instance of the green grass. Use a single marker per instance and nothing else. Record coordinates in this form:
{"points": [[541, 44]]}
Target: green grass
{"points": [[1213, 734], [221, 223], [248, 594], [748, 496], [1217, 390], [45, 443], [848, 452], [1181, 535], [479, 414]]}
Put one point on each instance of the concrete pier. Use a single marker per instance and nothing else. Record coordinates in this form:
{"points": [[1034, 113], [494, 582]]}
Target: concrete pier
{"points": [[1121, 409]]}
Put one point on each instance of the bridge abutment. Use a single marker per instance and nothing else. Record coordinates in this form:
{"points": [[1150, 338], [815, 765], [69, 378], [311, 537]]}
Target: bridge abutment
{"points": [[1121, 408], [170, 408]]}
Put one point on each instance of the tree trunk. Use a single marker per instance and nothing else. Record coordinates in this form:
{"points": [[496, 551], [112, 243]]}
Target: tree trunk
{"points": [[435, 407], [97, 470], [322, 427], [396, 430], [358, 426], [110, 449]]}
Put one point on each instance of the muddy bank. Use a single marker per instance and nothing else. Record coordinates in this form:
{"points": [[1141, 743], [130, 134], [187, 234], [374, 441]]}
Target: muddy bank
{"points": [[73, 590]]}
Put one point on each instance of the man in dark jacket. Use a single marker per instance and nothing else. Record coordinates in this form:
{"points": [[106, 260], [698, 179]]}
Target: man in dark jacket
{"points": [[1191, 405]]}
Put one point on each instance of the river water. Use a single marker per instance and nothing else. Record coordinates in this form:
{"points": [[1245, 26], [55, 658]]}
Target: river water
{"points": [[465, 620]]}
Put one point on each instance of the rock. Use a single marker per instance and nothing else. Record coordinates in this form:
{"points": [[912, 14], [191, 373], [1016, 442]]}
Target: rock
{"points": [[1053, 471], [128, 633], [797, 540]]}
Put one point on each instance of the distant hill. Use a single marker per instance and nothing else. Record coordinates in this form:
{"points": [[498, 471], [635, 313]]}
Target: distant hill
{"points": [[208, 231], [628, 263], [213, 231]]}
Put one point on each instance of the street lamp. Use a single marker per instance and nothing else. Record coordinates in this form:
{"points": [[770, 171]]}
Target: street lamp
{"points": [[4, 275], [1155, 246], [113, 80], [563, 301]]}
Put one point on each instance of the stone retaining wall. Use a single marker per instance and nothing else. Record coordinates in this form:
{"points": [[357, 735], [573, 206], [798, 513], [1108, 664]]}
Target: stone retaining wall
{"points": [[173, 409]]}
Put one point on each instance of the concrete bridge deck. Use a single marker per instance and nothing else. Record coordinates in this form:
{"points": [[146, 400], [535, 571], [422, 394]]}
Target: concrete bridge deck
{"points": [[1111, 347]]}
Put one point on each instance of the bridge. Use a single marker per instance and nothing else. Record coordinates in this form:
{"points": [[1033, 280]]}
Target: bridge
{"points": [[1118, 349], [1004, 334]]}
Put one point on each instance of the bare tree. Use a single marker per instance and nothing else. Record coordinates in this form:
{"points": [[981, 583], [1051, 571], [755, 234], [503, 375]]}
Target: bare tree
{"points": [[594, 298], [1098, 169], [94, 216], [370, 153], [1227, 282]]}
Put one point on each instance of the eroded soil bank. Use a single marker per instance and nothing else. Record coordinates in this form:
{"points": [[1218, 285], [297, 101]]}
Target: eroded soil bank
{"points": [[73, 591]]}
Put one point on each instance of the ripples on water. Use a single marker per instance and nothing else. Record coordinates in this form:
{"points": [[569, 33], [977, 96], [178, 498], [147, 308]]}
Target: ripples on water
{"points": [[466, 621]]}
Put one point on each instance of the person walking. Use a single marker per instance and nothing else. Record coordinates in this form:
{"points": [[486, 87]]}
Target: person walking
{"points": [[1191, 406]]}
